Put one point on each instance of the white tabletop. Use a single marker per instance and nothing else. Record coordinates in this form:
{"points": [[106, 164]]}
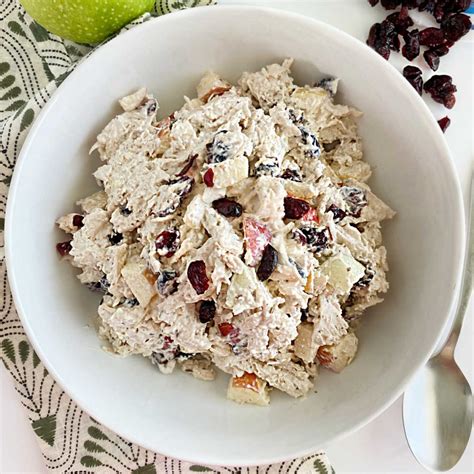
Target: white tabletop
{"points": [[380, 447]]}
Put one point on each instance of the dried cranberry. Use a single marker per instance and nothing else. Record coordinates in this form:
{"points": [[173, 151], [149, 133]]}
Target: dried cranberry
{"points": [[197, 276], [411, 48], [131, 302], [313, 149], [401, 20], [167, 242], [100, 286], [188, 165], [337, 213], [441, 89], [410, 4], [427, 5], [373, 2], [295, 208], [432, 59], [456, 26], [167, 283], [208, 178], [225, 329], [227, 207], [125, 211], [390, 4], [115, 238], [217, 151], [441, 50], [355, 200], [414, 76], [431, 37], [444, 123], [366, 279], [268, 263], [78, 221], [64, 248], [381, 38], [299, 236], [317, 240], [292, 175], [207, 311]]}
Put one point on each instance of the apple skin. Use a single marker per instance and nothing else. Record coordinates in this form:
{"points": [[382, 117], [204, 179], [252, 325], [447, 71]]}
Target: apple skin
{"points": [[85, 21]]}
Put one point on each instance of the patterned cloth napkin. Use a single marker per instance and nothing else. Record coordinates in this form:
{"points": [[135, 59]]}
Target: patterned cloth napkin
{"points": [[33, 63]]}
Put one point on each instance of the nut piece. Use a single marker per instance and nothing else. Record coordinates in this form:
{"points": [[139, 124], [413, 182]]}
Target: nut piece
{"points": [[339, 355], [248, 389]]}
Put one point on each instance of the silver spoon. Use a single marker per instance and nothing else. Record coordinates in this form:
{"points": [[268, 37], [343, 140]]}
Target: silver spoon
{"points": [[437, 405]]}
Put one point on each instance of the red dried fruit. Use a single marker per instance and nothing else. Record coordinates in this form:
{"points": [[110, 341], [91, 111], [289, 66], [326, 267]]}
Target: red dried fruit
{"points": [[431, 37], [382, 38], [373, 2], [441, 89], [401, 20], [295, 208], [292, 175], [166, 282], [427, 5], [337, 213], [167, 242], [456, 26], [208, 178], [432, 59], [64, 248], [410, 4], [444, 123], [227, 207], [316, 239], [256, 237], [188, 165], [225, 329], [390, 4], [411, 48], [115, 238], [78, 221], [207, 311], [197, 276], [441, 50], [414, 76], [268, 263]]}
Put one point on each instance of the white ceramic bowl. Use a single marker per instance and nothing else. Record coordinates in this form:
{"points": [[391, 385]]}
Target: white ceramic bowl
{"points": [[178, 415]]}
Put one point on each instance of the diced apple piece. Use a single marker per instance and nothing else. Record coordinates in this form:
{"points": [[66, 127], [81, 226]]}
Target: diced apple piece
{"points": [[339, 355], [139, 280], [230, 171], [248, 389], [257, 236], [342, 272], [305, 345]]}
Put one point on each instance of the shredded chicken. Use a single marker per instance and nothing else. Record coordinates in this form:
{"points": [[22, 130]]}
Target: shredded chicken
{"points": [[238, 233]]}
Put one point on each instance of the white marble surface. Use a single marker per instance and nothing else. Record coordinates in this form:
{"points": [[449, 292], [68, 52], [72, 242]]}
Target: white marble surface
{"points": [[380, 447]]}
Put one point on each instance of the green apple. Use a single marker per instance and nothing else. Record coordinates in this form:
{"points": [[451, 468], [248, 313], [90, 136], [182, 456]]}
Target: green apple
{"points": [[85, 21]]}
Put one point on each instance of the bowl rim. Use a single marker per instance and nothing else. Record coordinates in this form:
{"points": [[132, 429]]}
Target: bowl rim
{"points": [[283, 15]]}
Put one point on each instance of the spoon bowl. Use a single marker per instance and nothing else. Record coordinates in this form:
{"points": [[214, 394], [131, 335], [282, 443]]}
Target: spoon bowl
{"points": [[438, 414]]}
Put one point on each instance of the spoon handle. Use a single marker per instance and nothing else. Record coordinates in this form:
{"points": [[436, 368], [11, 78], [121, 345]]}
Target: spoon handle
{"points": [[466, 284]]}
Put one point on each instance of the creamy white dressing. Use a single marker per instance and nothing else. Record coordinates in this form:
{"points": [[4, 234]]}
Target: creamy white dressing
{"points": [[257, 143]]}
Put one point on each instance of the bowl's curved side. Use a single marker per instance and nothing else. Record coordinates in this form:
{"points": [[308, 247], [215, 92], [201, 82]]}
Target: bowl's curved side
{"points": [[416, 176]]}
